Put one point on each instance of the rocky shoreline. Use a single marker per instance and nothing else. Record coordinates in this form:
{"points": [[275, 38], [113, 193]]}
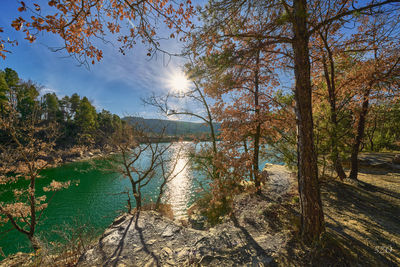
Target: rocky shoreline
{"points": [[83, 154], [250, 236], [253, 235]]}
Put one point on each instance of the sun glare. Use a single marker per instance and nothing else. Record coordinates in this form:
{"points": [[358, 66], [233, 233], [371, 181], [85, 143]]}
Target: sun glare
{"points": [[178, 82]]}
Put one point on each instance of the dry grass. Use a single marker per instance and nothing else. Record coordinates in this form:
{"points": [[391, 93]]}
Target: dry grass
{"points": [[164, 209], [73, 241]]}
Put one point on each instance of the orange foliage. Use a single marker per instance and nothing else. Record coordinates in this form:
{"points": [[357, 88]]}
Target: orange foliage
{"points": [[79, 22]]}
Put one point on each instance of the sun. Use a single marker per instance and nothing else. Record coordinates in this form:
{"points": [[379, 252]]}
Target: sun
{"points": [[178, 82]]}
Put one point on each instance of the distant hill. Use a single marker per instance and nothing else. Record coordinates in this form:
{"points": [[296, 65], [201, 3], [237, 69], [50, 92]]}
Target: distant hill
{"points": [[176, 128]]}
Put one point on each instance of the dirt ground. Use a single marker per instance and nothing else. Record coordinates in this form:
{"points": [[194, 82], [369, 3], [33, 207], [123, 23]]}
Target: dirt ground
{"points": [[366, 216]]}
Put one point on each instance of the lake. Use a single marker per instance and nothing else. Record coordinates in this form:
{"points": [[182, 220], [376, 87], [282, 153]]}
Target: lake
{"points": [[95, 200]]}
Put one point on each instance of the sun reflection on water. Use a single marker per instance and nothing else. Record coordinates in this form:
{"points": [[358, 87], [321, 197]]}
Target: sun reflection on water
{"points": [[178, 190]]}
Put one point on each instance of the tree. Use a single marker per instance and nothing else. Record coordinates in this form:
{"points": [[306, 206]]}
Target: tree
{"points": [[11, 77], [346, 63], [171, 167], [197, 105], [86, 121], [65, 108], [282, 140], [3, 92], [240, 82], [382, 127], [286, 29], [382, 69], [325, 57], [74, 102], [12, 81], [81, 23], [277, 35], [108, 124], [134, 145], [51, 107], [30, 149], [26, 100]]}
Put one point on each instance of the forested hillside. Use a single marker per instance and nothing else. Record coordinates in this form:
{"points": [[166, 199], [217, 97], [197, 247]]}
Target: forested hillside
{"points": [[170, 127], [76, 119]]}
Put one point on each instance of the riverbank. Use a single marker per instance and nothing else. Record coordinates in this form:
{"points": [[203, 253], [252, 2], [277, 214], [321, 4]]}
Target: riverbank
{"points": [[84, 153], [96, 201]]}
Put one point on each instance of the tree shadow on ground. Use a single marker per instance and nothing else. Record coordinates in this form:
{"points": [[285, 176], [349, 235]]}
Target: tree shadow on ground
{"points": [[251, 242], [383, 170], [112, 260], [115, 257], [366, 218], [142, 240]]}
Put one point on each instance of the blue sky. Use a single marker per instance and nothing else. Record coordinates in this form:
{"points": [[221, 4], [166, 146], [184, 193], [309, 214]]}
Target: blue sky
{"points": [[117, 83]]}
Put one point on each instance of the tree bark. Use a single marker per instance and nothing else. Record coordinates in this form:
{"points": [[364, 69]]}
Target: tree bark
{"points": [[359, 136], [371, 135], [138, 202], [312, 216], [160, 194], [32, 226], [257, 134], [136, 195]]}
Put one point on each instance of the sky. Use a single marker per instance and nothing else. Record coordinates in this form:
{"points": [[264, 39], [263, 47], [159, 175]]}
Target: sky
{"points": [[117, 83]]}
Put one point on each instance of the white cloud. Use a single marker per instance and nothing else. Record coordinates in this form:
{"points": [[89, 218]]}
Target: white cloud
{"points": [[48, 90]]}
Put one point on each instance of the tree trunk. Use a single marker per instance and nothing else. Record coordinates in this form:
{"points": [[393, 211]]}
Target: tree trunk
{"points": [[312, 216], [257, 134], [129, 206], [371, 136], [32, 226], [337, 163], [138, 202], [34, 242], [137, 197], [161, 193], [330, 81], [359, 136]]}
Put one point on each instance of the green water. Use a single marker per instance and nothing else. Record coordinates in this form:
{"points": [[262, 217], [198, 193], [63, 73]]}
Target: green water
{"points": [[94, 201]]}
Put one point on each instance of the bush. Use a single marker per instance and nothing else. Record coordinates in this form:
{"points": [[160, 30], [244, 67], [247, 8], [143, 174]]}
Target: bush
{"points": [[73, 240], [214, 207], [163, 209]]}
